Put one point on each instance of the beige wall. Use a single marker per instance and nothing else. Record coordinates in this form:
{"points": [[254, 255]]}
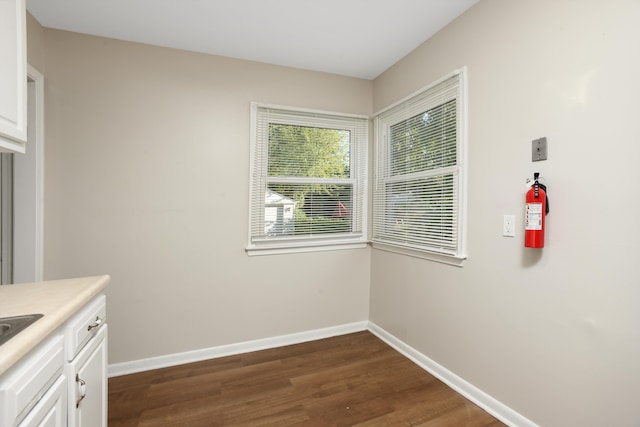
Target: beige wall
{"points": [[552, 333], [147, 179], [147, 168], [35, 43]]}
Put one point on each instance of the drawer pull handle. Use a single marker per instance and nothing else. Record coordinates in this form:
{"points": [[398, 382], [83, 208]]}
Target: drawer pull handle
{"points": [[95, 324], [82, 389]]}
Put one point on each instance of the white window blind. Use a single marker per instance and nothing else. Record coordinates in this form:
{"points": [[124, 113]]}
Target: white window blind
{"points": [[419, 179], [308, 179]]}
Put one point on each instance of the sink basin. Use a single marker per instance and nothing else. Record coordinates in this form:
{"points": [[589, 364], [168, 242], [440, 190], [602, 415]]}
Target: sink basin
{"points": [[11, 326]]}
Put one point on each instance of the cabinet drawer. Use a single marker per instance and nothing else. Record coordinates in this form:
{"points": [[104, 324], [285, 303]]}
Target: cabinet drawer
{"points": [[29, 380], [84, 325]]}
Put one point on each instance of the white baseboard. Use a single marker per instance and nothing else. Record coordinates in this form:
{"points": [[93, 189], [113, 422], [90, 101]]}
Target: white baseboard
{"points": [[468, 390], [141, 365]]}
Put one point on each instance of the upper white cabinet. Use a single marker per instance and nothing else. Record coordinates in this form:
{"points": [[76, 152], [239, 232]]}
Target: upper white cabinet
{"points": [[13, 76]]}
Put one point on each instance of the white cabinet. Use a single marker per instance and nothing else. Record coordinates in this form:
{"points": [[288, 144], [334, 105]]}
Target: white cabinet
{"points": [[26, 393], [86, 366], [51, 410], [13, 76], [63, 381], [87, 405]]}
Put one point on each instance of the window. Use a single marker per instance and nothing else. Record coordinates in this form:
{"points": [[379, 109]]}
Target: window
{"points": [[419, 178], [308, 180]]}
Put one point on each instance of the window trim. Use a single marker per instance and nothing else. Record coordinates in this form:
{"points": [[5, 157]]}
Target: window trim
{"points": [[458, 258], [300, 244]]}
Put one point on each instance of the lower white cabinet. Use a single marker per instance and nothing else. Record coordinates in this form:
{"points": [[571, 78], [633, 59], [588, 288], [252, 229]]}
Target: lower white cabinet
{"points": [[31, 378], [86, 365], [87, 385], [51, 409], [63, 381]]}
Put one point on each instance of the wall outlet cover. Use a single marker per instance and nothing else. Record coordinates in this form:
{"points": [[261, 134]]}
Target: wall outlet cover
{"points": [[509, 226]]}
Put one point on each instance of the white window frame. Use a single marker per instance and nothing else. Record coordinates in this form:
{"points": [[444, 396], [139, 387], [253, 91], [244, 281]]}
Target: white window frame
{"points": [[402, 111], [258, 180]]}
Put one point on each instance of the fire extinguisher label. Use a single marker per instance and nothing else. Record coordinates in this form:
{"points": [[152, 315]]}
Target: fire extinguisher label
{"points": [[533, 216]]}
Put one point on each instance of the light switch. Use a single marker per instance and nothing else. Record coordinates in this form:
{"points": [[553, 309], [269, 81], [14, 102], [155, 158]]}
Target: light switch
{"points": [[539, 149]]}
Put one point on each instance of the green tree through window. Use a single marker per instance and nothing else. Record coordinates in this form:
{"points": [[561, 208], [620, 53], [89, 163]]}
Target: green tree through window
{"points": [[321, 155]]}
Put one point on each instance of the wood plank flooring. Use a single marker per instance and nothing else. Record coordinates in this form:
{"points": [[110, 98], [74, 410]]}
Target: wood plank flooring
{"points": [[349, 380]]}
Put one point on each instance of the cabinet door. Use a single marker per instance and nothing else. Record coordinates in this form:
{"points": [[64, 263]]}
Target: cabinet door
{"points": [[88, 401], [51, 410], [30, 378], [13, 76]]}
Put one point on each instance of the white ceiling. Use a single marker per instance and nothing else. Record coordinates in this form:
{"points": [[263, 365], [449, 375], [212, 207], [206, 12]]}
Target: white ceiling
{"points": [[359, 38]]}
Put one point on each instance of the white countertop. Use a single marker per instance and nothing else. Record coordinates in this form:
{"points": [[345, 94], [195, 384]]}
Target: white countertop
{"points": [[58, 300]]}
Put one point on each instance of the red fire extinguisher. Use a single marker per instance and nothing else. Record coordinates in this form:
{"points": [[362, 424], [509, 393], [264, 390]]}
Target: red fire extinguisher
{"points": [[537, 208]]}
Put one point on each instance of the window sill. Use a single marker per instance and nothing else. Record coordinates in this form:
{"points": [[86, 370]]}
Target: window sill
{"points": [[301, 248], [455, 260]]}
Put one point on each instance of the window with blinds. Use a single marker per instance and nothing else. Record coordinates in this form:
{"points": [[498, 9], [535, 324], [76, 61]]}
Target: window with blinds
{"points": [[308, 180], [419, 178]]}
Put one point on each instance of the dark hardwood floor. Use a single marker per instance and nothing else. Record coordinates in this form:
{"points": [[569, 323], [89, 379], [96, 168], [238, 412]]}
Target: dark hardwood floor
{"points": [[348, 380]]}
